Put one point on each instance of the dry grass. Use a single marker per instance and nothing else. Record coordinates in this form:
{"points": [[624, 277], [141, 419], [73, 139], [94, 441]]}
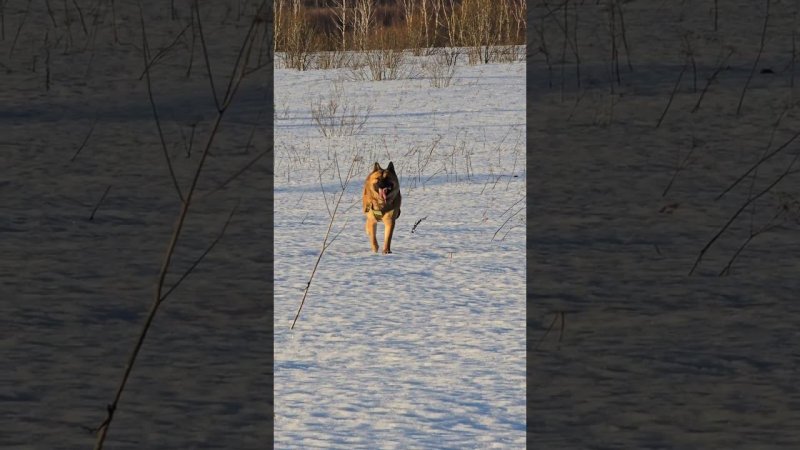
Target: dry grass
{"points": [[441, 66], [481, 25], [334, 116]]}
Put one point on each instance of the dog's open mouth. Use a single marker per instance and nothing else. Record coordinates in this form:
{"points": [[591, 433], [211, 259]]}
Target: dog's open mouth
{"points": [[384, 192]]}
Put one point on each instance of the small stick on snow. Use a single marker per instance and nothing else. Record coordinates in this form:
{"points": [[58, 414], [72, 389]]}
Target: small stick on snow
{"points": [[417, 223]]}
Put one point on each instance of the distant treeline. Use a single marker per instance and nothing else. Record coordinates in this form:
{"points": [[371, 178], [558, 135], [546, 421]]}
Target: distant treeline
{"points": [[328, 25]]}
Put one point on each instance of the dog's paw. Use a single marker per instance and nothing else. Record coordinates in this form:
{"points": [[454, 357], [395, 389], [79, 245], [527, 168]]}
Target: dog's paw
{"points": [[386, 252]]}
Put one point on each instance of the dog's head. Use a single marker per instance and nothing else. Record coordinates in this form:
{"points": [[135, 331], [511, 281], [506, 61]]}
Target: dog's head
{"points": [[384, 181]]}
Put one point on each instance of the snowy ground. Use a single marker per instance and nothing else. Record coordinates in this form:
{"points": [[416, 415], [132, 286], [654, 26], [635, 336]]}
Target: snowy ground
{"points": [[73, 291], [651, 357], [423, 348]]}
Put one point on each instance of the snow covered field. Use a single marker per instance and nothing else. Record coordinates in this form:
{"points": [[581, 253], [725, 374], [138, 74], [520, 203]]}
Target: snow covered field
{"points": [[652, 358], [425, 347], [74, 291]]}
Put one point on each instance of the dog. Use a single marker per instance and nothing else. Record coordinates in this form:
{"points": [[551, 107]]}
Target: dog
{"points": [[381, 202]]}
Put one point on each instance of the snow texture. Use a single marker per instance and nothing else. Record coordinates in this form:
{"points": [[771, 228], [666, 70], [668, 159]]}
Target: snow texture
{"points": [[652, 358], [424, 347]]}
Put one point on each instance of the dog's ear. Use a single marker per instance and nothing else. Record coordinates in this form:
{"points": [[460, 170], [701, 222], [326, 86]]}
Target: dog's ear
{"points": [[378, 167], [391, 167]]}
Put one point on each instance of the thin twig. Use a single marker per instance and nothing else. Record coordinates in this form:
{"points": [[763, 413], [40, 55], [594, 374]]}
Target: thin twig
{"points": [[324, 241], [204, 254], [237, 174], [504, 223], [114, 21], [747, 203], [794, 57], [85, 140], [513, 205], [163, 52], [158, 297], [49, 13], [257, 125], [146, 55], [710, 80], [194, 38], [46, 61], [758, 163], [768, 226], [321, 186], [575, 45], [681, 165], [556, 316], [766, 149], [716, 15], [99, 202], [624, 37], [672, 95], [244, 52], [564, 47], [19, 29], [755, 63], [614, 49], [188, 145], [80, 16], [344, 226], [205, 53], [552, 324]]}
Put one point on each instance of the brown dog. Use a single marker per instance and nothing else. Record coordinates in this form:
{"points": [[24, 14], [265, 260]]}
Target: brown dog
{"points": [[381, 201]]}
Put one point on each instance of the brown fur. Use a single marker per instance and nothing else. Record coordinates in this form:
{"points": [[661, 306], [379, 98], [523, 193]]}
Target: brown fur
{"points": [[372, 201]]}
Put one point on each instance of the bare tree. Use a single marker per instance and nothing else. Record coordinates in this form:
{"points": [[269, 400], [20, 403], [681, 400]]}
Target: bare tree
{"points": [[363, 17], [340, 11]]}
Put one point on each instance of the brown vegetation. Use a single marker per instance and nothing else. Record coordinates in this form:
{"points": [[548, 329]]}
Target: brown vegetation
{"points": [[307, 26]]}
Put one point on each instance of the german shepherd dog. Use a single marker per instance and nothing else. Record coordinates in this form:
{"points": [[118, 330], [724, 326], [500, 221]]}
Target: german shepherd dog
{"points": [[381, 201]]}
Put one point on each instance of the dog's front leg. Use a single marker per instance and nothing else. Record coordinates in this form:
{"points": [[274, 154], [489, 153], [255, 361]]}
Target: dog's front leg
{"points": [[372, 228], [388, 223]]}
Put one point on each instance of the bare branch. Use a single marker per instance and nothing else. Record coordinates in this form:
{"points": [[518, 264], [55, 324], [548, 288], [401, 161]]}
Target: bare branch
{"points": [[146, 56], [758, 163], [158, 298], [236, 175], [325, 239], [749, 201], [203, 255], [205, 53], [755, 63]]}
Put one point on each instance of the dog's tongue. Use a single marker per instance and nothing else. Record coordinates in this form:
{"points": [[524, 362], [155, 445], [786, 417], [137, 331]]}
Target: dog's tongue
{"points": [[383, 192]]}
